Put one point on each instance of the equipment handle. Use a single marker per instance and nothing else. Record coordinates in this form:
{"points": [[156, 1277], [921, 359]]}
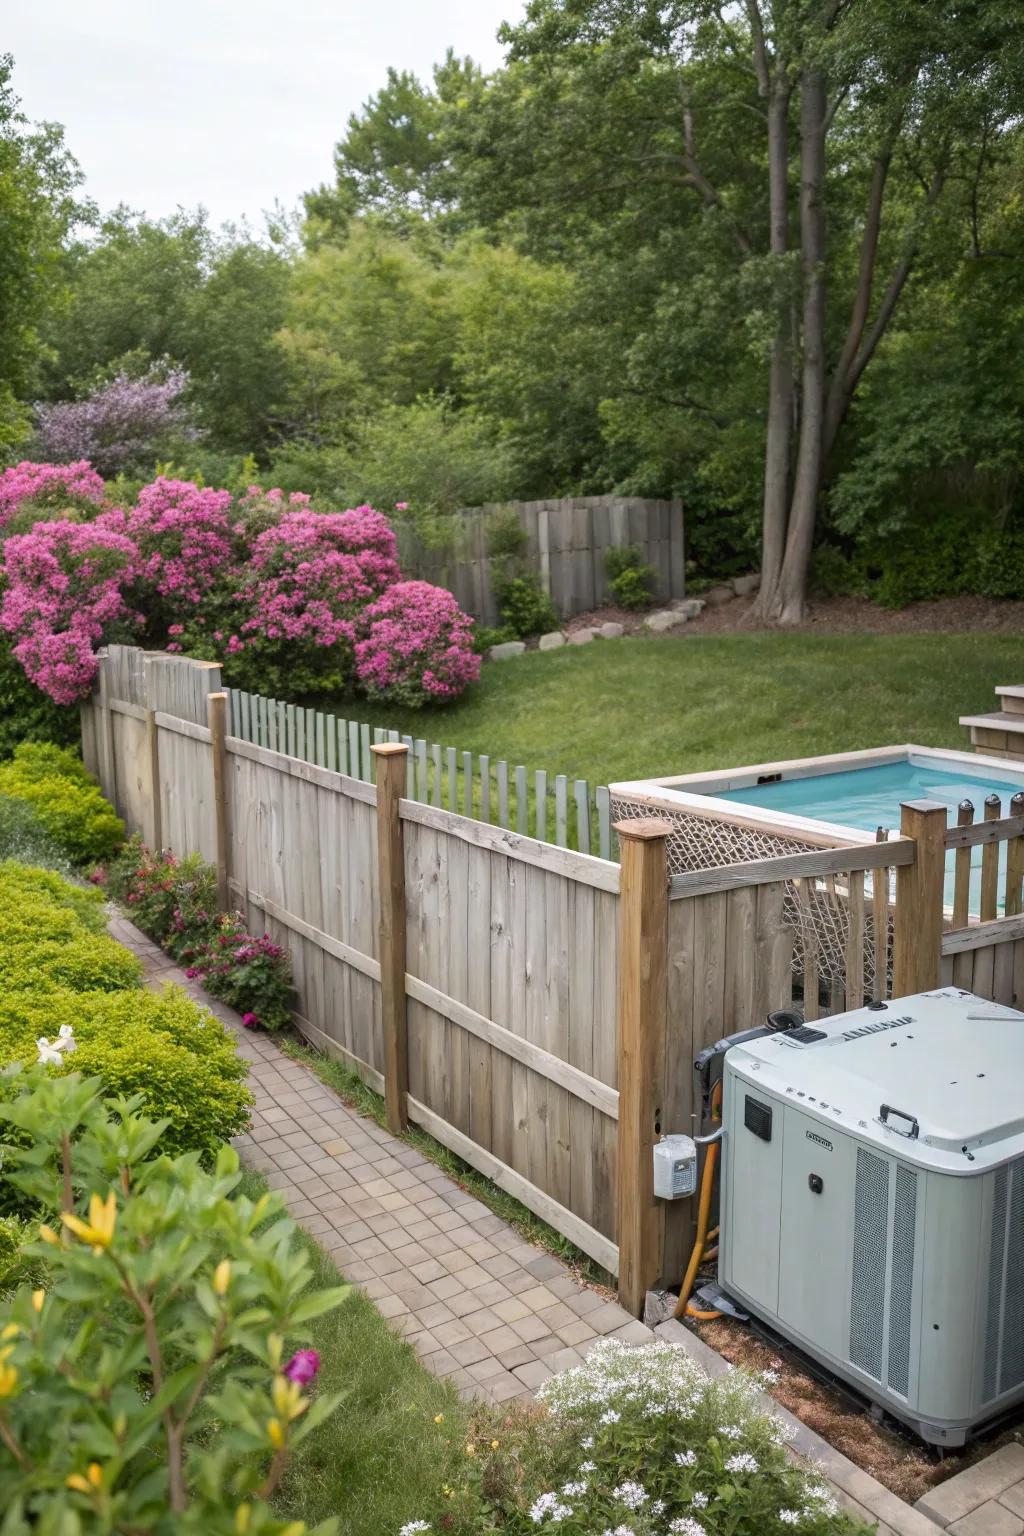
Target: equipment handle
{"points": [[889, 1109]]}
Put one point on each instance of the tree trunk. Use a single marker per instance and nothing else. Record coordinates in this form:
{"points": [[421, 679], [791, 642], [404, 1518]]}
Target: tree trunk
{"points": [[780, 380], [788, 603]]}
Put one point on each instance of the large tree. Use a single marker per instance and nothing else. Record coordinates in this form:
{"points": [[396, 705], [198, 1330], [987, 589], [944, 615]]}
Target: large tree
{"points": [[808, 160]]}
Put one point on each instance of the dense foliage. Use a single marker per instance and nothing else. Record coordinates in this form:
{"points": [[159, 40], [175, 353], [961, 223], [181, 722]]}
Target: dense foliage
{"points": [[288, 598], [63, 978], [151, 1383], [65, 800]]}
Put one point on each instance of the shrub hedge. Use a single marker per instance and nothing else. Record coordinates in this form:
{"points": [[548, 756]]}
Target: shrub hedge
{"points": [[65, 798], [58, 967]]}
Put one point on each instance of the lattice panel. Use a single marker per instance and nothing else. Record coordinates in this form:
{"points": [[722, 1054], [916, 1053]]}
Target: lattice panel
{"points": [[817, 910]]}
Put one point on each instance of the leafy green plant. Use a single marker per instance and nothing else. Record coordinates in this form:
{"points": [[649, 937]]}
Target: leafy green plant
{"points": [[50, 938], [152, 1385], [66, 800], [524, 606], [630, 580]]}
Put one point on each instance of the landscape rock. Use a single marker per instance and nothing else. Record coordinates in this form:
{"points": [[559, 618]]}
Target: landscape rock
{"points": [[664, 619], [689, 607], [582, 636], [552, 641], [744, 585], [610, 631], [506, 649], [716, 596]]}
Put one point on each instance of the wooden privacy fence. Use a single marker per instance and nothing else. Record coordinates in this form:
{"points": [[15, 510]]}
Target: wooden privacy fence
{"points": [[550, 807], [566, 544], [534, 1008]]}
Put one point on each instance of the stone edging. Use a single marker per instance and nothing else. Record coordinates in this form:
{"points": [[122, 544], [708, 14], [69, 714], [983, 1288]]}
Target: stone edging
{"points": [[864, 1493]]}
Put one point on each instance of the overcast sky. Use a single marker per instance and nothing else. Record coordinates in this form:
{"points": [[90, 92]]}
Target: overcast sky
{"points": [[228, 103]]}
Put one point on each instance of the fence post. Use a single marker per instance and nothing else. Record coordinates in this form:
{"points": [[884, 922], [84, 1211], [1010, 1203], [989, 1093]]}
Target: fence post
{"points": [[917, 925], [217, 720], [153, 755], [391, 775], [643, 941], [105, 744]]}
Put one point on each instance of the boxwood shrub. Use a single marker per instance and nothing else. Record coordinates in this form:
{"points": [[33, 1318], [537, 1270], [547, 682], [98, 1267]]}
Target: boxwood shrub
{"points": [[66, 800]]}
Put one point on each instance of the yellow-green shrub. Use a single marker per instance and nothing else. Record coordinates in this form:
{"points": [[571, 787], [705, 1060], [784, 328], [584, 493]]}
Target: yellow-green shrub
{"points": [[178, 1056], [49, 937], [65, 799]]}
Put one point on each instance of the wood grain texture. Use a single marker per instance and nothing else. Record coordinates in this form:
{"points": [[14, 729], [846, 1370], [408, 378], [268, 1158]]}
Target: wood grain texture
{"points": [[392, 767], [917, 941]]}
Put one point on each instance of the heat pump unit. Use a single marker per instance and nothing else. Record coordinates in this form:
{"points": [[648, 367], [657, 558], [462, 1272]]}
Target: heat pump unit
{"points": [[872, 1201]]}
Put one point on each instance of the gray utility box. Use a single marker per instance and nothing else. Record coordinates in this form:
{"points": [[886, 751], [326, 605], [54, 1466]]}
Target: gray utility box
{"points": [[873, 1201]]}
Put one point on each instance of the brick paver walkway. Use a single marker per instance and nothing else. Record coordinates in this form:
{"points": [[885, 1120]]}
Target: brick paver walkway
{"points": [[482, 1307], [986, 1500]]}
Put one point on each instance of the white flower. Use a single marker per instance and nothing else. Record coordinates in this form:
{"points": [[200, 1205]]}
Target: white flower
{"points": [[587, 1442], [573, 1490], [631, 1494], [731, 1431], [699, 1501], [769, 1377], [547, 1507], [684, 1526], [741, 1462], [686, 1458], [790, 1516], [610, 1417], [412, 1527], [65, 1040], [588, 1466]]}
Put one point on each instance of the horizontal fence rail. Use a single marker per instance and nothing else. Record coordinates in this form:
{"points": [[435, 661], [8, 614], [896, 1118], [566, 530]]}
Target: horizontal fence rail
{"points": [[534, 803]]}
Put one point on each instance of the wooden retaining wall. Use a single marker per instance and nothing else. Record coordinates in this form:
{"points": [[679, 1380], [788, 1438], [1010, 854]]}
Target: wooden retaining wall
{"points": [[566, 543]]}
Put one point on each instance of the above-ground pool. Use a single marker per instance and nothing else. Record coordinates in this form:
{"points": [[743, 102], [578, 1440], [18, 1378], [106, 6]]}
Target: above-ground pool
{"points": [[818, 799]]}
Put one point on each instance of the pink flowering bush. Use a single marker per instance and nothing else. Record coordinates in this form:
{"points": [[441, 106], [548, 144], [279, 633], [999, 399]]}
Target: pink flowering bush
{"points": [[418, 646], [64, 592], [42, 488], [288, 599]]}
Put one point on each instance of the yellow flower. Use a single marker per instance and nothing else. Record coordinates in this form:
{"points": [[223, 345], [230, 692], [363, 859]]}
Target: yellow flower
{"points": [[91, 1483], [447, 1491], [222, 1278], [38, 1297], [10, 1332], [98, 1231], [494, 1445], [48, 1235], [275, 1433], [8, 1380], [471, 1449], [438, 1418], [287, 1399]]}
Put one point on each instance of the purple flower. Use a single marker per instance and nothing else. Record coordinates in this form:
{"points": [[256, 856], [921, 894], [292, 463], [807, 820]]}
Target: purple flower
{"points": [[303, 1366], [250, 1021]]}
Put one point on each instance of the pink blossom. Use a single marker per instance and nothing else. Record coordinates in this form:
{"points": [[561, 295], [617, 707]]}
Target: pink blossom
{"points": [[48, 486], [303, 1366], [401, 506], [416, 645]]}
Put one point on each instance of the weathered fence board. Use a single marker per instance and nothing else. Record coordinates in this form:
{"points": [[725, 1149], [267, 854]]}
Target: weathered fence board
{"points": [[566, 544]]}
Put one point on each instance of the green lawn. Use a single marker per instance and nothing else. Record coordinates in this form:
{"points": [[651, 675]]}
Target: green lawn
{"points": [[648, 706]]}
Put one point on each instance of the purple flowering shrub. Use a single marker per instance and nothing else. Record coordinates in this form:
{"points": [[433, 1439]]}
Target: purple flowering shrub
{"points": [[417, 646], [125, 424], [174, 901], [287, 599]]}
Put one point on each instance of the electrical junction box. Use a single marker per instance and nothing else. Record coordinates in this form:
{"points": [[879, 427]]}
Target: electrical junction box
{"points": [[872, 1201], [675, 1167]]}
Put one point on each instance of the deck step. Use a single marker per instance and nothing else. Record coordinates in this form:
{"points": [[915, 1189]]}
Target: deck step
{"points": [[997, 735], [1011, 699]]}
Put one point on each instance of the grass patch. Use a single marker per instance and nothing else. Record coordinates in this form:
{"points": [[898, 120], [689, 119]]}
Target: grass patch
{"points": [[381, 1459], [645, 706], [354, 1092]]}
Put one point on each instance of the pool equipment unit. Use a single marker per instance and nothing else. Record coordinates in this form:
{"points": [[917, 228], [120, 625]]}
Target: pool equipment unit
{"points": [[872, 1201]]}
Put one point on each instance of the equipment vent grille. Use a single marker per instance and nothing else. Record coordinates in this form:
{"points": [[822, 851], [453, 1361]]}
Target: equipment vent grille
{"points": [[901, 1282], [870, 1229]]}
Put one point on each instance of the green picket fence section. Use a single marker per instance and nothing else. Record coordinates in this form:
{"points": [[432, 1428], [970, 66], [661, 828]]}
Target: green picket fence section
{"points": [[534, 803]]}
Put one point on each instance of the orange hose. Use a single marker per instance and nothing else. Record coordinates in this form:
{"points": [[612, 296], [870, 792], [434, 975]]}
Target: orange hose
{"points": [[707, 1185]]}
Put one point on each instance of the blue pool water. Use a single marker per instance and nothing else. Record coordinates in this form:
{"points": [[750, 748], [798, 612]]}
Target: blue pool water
{"points": [[868, 798]]}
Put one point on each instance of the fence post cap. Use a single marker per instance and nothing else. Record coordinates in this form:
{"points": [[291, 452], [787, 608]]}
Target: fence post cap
{"points": [[644, 829], [923, 807], [389, 748]]}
